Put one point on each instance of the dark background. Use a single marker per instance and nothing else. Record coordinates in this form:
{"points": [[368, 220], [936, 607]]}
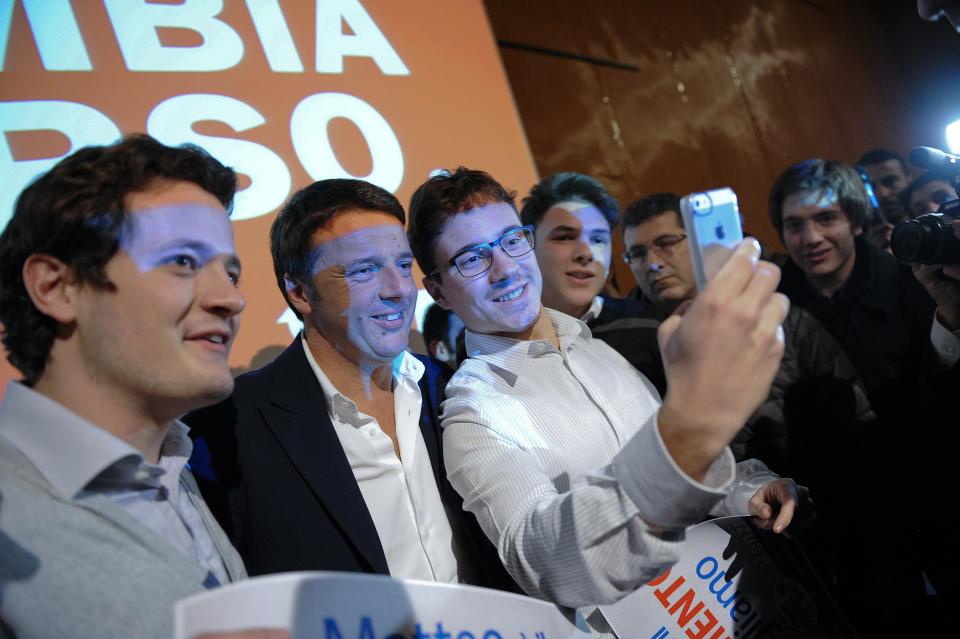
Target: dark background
{"points": [[684, 95]]}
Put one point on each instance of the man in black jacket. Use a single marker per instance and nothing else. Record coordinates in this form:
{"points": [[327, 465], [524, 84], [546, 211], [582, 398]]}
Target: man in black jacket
{"points": [[329, 457], [871, 303], [658, 254], [881, 316]]}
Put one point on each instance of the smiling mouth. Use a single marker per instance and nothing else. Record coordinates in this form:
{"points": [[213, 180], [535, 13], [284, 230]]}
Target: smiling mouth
{"points": [[511, 295], [818, 255], [388, 317], [215, 342]]}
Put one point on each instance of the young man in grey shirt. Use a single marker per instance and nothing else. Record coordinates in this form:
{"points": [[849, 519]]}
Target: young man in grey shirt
{"points": [[119, 300]]}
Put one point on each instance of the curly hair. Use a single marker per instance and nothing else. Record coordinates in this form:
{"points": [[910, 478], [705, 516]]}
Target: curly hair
{"points": [[74, 213], [440, 198]]}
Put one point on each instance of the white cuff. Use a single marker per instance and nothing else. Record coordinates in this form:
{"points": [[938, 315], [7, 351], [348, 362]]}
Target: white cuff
{"points": [[945, 343]]}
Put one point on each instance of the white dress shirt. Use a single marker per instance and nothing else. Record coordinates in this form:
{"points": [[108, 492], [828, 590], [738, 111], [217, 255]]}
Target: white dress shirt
{"points": [[557, 453], [593, 312], [401, 494], [946, 343]]}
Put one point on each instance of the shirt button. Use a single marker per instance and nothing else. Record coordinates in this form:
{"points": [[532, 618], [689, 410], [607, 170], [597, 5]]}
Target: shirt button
{"points": [[141, 475]]}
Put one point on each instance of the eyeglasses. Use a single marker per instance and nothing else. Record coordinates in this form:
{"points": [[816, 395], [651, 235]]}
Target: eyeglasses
{"points": [[662, 245], [477, 260]]}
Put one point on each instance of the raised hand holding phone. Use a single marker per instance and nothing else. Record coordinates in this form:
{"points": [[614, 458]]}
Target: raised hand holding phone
{"points": [[721, 353]]}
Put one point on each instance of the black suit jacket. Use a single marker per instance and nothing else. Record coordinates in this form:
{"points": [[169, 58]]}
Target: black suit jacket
{"points": [[273, 472]]}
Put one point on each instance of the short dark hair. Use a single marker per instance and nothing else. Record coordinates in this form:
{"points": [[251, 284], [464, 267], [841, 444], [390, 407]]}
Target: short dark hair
{"points": [[568, 187], [876, 156], [649, 207], [920, 182], [74, 212], [291, 234], [817, 174], [443, 196], [436, 323]]}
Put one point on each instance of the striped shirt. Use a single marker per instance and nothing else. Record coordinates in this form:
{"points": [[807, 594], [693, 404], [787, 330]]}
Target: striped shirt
{"points": [[557, 453]]}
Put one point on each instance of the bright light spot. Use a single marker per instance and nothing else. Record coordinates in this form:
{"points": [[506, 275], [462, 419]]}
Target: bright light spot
{"points": [[953, 137], [423, 303]]}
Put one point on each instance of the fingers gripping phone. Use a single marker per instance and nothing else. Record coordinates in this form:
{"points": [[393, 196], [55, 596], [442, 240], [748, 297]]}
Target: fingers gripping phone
{"points": [[712, 222]]}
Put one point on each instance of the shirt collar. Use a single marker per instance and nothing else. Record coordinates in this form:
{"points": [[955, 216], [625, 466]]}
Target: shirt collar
{"points": [[407, 371], [510, 354], [596, 307], [69, 451]]}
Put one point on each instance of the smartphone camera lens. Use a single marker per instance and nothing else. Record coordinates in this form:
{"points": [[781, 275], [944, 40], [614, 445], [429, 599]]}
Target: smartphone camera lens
{"points": [[702, 204]]}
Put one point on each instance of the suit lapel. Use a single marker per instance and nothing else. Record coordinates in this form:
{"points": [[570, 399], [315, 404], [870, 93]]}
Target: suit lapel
{"points": [[297, 416], [430, 419]]}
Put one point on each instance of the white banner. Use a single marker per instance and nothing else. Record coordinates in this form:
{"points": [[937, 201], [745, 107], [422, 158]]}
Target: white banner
{"points": [[336, 605]]}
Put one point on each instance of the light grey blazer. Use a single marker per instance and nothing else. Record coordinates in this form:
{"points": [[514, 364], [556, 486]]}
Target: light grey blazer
{"points": [[84, 567]]}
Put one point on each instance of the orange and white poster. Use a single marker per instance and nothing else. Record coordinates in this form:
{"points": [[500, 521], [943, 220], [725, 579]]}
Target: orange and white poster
{"points": [[285, 91]]}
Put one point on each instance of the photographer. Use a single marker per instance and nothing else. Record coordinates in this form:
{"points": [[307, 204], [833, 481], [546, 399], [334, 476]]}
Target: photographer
{"points": [[942, 281], [932, 243]]}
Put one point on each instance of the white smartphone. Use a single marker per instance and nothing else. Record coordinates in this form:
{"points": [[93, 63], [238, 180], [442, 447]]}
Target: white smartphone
{"points": [[712, 222]]}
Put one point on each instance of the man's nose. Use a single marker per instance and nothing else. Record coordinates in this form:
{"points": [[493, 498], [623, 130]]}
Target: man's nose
{"points": [[502, 267], [395, 284], [654, 262], [583, 253], [220, 294], [811, 234]]}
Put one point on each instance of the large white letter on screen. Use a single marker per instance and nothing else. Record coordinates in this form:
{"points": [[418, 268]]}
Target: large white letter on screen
{"points": [[367, 40], [81, 124], [55, 31], [135, 22], [275, 37], [171, 122], [308, 130]]}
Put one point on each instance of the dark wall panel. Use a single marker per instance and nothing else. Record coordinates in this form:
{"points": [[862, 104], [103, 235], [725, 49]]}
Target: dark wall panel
{"points": [[686, 95]]}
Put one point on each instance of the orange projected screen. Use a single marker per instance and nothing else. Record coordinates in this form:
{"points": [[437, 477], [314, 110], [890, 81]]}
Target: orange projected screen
{"points": [[286, 92]]}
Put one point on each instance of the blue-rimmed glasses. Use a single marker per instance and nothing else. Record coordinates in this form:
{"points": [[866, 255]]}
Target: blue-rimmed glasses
{"points": [[477, 259]]}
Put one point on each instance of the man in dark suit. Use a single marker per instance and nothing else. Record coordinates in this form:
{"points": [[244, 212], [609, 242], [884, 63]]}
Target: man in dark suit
{"points": [[328, 458]]}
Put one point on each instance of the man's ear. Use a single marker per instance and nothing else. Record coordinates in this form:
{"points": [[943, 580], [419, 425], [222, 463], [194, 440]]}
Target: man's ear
{"points": [[51, 286], [298, 295], [436, 291]]}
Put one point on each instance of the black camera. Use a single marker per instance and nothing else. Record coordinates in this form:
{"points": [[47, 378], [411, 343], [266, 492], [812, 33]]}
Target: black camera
{"points": [[928, 239]]}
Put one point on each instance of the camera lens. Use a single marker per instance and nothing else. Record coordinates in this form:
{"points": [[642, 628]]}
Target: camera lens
{"points": [[908, 239], [927, 239]]}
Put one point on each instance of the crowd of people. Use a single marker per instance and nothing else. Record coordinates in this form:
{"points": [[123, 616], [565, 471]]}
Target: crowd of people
{"points": [[559, 445]]}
